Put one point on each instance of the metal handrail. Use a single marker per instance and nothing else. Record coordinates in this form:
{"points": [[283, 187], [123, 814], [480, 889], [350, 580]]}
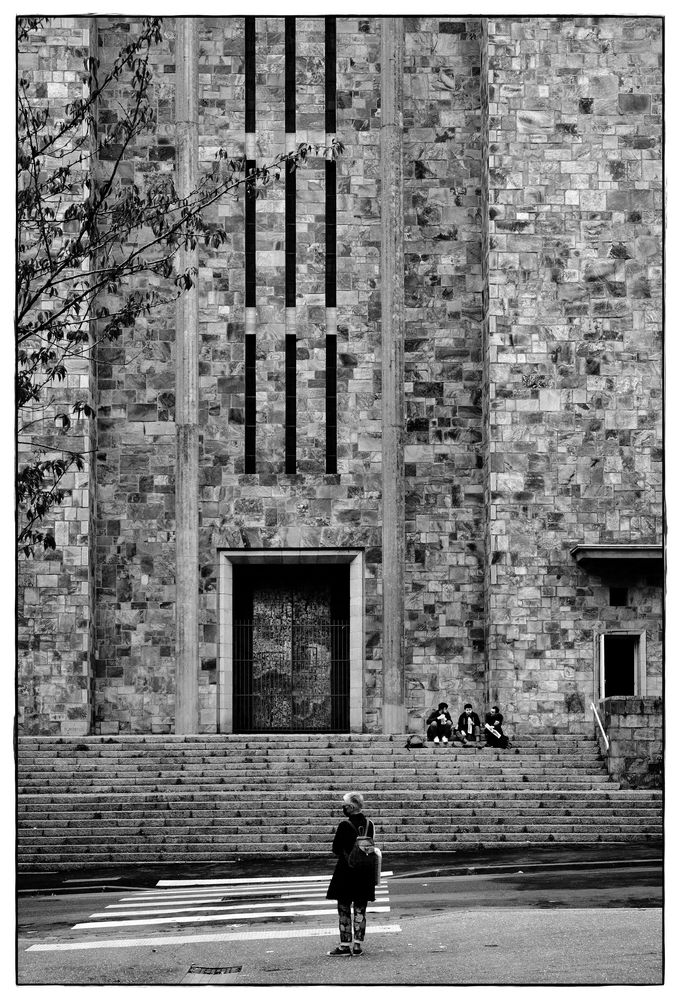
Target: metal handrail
{"points": [[599, 722]]}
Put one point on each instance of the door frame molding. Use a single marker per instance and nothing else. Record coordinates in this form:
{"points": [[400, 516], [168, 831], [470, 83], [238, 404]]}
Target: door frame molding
{"points": [[228, 558]]}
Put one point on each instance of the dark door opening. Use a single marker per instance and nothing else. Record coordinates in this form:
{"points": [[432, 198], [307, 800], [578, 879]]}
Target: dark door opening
{"points": [[291, 648], [620, 655]]}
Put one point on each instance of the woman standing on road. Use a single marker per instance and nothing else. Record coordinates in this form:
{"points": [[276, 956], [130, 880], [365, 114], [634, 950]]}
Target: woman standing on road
{"points": [[351, 886]]}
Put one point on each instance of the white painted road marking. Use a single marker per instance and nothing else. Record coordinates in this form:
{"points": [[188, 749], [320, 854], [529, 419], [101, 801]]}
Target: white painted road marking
{"points": [[191, 939], [210, 895], [136, 901], [225, 899], [210, 918], [271, 880], [218, 900], [202, 909]]}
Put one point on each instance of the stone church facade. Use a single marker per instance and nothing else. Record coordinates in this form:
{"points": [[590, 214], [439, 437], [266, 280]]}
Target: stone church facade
{"points": [[403, 444]]}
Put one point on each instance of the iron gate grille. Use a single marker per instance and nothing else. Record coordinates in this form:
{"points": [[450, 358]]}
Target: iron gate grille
{"points": [[291, 678]]}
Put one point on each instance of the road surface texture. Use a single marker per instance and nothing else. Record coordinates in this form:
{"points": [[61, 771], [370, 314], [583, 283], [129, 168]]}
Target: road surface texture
{"points": [[590, 924]]}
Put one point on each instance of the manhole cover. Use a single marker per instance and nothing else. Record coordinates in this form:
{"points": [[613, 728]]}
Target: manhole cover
{"points": [[222, 970]]}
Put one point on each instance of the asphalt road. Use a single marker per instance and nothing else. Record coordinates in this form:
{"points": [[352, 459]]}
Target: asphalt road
{"points": [[586, 925]]}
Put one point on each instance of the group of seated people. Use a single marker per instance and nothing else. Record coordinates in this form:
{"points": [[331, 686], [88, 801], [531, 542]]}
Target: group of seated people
{"points": [[469, 730]]}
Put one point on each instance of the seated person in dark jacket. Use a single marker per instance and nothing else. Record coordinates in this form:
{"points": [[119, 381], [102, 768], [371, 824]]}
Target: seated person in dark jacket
{"points": [[493, 722], [469, 727], [439, 724]]}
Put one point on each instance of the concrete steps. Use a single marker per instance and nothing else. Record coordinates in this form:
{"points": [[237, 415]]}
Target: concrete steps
{"points": [[375, 783], [102, 801]]}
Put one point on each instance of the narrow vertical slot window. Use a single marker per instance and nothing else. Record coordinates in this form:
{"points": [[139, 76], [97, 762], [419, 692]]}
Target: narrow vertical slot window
{"points": [[250, 252], [251, 238], [330, 55], [249, 69], [331, 253], [291, 243], [290, 430], [331, 235], [289, 95], [291, 404], [251, 406], [331, 405]]}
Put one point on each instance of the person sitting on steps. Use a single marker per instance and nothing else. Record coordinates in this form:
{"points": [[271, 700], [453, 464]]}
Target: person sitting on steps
{"points": [[439, 724], [493, 721], [469, 727]]}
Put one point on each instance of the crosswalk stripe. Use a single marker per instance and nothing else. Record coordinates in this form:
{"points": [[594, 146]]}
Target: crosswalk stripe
{"points": [[203, 909], [191, 939], [255, 880], [208, 894], [172, 905], [146, 900], [251, 881], [213, 917]]}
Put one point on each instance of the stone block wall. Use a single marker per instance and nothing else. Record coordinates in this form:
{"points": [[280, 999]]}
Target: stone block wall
{"points": [[310, 248], [574, 342], [444, 619], [221, 329], [271, 509], [444, 594], [532, 381], [54, 589], [135, 558], [634, 727]]}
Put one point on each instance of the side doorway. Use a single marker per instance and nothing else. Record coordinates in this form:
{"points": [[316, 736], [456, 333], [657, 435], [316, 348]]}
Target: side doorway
{"points": [[622, 665]]}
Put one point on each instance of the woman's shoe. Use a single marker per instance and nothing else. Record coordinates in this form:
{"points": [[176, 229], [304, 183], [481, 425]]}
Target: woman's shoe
{"points": [[344, 951], [357, 949]]}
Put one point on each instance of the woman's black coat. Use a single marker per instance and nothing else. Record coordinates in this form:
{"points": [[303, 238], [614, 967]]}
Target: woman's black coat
{"points": [[348, 884]]}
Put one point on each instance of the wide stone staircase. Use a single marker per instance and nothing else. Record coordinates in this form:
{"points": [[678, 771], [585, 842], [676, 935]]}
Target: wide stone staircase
{"points": [[102, 801]]}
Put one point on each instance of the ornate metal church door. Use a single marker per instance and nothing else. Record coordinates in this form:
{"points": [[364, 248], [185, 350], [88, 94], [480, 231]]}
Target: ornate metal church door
{"points": [[291, 650]]}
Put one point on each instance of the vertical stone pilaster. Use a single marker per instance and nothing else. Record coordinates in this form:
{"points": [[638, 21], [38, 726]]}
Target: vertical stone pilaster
{"points": [[484, 129], [392, 317], [186, 487], [93, 390]]}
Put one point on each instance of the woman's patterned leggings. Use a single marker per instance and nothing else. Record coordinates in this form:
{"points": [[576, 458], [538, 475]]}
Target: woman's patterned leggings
{"points": [[345, 918]]}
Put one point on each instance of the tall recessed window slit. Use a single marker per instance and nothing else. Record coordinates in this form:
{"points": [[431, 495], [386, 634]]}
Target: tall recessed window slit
{"points": [[289, 84], [290, 432], [291, 243], [330, 56], [331, 235], [249, 70], [331, 254], [291, 402], [331, 405], [251, 238], [250, 253], [251, 406]]}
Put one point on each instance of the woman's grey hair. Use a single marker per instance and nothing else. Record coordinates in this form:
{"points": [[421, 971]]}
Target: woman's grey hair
{"points": [[354, 800]]}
